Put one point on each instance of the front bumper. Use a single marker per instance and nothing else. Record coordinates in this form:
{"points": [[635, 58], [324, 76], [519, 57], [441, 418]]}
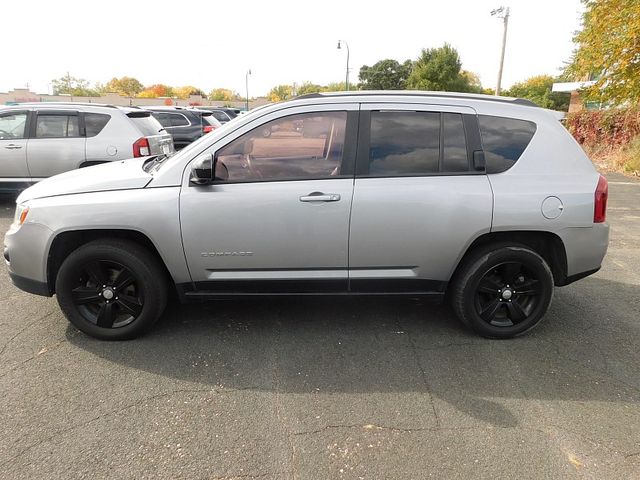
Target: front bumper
{"points": [[25, 252]]}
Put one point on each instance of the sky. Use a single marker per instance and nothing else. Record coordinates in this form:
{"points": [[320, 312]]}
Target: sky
{"points": [[211, 44]]}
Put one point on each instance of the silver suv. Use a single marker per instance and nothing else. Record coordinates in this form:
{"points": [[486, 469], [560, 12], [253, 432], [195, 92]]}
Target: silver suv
{"points": [[485, 200], [38, 140]]}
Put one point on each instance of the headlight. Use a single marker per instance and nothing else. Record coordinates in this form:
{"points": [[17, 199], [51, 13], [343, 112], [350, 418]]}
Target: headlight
{"points": [[22, 210]]}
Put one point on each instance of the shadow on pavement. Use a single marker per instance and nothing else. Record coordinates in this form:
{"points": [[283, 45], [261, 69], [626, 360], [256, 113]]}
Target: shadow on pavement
{"points": [[585, 350]]}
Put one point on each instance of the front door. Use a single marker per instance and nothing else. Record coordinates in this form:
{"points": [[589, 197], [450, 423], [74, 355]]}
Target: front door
{"points": [[56, 143], [281, 220], [13, 148]]}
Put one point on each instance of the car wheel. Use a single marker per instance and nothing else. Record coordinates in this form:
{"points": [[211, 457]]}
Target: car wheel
{"points": [[502, 292], [111, 289]]}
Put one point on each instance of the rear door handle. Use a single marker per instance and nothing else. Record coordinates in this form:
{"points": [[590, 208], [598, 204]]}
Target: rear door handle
{"points": [[320, 197], [12, 146]]}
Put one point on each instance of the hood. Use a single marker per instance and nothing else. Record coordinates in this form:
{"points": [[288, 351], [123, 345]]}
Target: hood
{"points": [[120, 175]]}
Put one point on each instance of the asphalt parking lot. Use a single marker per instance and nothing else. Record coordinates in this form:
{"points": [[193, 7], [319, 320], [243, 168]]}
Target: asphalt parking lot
{"points": [[331, 388]]}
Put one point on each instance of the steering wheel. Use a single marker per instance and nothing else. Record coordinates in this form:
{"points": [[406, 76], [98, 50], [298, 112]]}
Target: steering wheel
{"points": [[250, 167]]}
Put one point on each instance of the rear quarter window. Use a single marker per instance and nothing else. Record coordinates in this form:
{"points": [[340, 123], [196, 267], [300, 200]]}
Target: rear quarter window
{"points": [[148, 126], [95, 122], [503, 140]]}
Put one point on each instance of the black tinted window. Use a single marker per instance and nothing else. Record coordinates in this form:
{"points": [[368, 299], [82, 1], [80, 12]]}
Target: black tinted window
{"points": [[57, 126], [163, 118], [95, 122], [290, 148], [504, 140], [404, 143], [454, 150], [178, 120], [221, 116]]}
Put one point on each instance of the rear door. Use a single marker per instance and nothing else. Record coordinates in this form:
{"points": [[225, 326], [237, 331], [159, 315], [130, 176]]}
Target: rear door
{"points": [[55, 144], [13, 146], [418, 201]]}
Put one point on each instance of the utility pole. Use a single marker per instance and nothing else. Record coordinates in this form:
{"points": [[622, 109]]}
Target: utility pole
{"points": [[346, 80], [246, 81], [502, 13]]}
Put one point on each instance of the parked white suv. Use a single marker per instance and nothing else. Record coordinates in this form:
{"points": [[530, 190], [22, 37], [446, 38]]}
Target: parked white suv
{"points": [[486, 199], [39, 140]]}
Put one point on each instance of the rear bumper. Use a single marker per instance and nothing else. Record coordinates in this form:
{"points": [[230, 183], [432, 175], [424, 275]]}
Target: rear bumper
{"points": [[585, 248]]}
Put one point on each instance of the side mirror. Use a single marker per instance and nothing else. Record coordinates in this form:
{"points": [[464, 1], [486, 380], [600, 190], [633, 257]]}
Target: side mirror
{"points": [[207, 169], [202, 170], [479, 163]]}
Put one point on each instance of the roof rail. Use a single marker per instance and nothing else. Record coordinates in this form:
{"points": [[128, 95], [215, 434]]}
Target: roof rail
{"points": [[417, 93], [81, 104]]}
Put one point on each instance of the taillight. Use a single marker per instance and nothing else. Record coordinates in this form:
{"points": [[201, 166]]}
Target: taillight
{"points": [[600, 205], [208, 128], [141, 148]]}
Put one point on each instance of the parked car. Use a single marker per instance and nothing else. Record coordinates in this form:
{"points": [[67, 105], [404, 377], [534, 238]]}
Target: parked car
{"points": [[38, 140], [185, 125], [487, 200], [222, 114]]}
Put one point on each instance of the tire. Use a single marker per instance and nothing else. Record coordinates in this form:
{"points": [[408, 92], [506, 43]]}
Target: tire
{"points": [[502, 291], [112, 289]]}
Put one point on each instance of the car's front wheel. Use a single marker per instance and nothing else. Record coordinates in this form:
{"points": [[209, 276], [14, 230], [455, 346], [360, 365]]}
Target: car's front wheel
{"points": [[111, 289], [502, 292]]}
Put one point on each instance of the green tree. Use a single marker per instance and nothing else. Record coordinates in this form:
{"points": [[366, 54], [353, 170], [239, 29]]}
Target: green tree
{"points": [[339, 87], [538, 90], [68, 85], [223, 95], [280, 93], [609, 47], [440, 69], [308, 87], [385, 75], [127, 86]]}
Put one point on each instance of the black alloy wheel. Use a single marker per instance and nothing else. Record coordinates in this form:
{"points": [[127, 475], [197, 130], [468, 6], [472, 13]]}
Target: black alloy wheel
{"points": [[507, 294], [502, 291], [112, 289], [108, 294]]}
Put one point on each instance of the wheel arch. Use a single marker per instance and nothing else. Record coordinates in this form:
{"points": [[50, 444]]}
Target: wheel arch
{"points": [[66, 242], [546, 244]]}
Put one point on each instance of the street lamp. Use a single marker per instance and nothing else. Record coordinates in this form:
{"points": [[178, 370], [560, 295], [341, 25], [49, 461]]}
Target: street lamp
{"points": [[502, 13], [246, 82], [347, 76]]}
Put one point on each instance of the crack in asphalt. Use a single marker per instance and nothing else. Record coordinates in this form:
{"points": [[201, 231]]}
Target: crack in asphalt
{"points": [[423, 374], [22, 330], [117, 411]]}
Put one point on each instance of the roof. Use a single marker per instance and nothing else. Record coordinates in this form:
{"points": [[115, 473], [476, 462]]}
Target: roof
{"points": [[420, 93], [57, 105]]}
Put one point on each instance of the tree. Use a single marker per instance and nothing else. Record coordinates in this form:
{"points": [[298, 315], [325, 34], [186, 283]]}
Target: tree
{"points": [[77, 87], [186, 91], [308, 87], [280, 93], [440, 69], [609, 47], [157, 90], [127, 86], [538, 90], [339, 87], [385, 75], [223, 95]]}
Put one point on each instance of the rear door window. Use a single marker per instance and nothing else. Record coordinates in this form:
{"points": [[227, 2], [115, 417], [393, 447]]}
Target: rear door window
{"points": [[95, 122], [57, 126], [178, 120], [504, 140], [413, 143]]}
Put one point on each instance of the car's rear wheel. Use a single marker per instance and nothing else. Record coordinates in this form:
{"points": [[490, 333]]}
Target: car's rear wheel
{"points": [[111, 289], [502, 292]]}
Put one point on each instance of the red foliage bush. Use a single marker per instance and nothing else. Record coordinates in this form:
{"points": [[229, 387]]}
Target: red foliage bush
{"points": [[613, 127]]}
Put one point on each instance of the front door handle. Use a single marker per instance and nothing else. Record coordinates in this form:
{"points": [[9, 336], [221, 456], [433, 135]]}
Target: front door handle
{"points": [[320, 197], [13, 146]]}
